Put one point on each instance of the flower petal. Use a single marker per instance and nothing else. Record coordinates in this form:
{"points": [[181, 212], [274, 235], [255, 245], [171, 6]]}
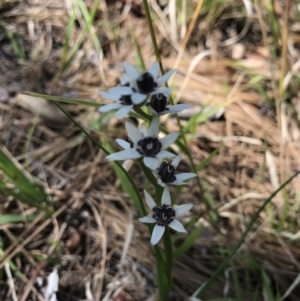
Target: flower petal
{"points": [[123, 111], [154, 127], [133, 133], [179, 210], [178, 183], [162, 90], [149, 200], [178, 108], [138, 98], [143, 130], [169, 139], [161, 183], [52, 286], [151, 162], [123, 143], [148, 219], [177, 226], [185, 176], [176, 161], [114, 97], [125, 79], [131, 71], [124, 155], [166, 198], [110, 107], [153, 112], [121, 90], [157, 234], [160, 81], [165, 154], [154, 70]]}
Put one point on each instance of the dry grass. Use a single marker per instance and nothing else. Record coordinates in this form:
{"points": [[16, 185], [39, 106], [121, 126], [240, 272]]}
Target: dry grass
{"points": [[94, 235]]}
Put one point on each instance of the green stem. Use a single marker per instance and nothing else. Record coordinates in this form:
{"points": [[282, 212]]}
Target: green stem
{"points": [[162, 282], [169, 255], [148, 173], [152, 33], [144, 115], [212, 212], [221, 268], [167, 271]]}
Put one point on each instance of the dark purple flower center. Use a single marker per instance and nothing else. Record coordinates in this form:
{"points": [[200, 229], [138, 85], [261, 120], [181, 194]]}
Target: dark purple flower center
{"points": [[164, 214], [146, 83], [126, 99], [149, 146], [166, 172], [159, 102]]}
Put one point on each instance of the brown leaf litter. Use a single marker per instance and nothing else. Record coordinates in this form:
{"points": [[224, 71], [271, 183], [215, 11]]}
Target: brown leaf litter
{"points": [[94, 235]]}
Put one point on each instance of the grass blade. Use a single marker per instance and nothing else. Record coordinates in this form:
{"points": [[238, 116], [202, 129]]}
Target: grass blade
{"points": [[17, 183], [16, 218], [221, 268], [188, 243], [132, 186], [76, 101]]}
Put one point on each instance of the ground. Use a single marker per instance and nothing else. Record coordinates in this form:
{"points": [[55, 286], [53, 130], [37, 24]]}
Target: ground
{"points": [[243, 134]]}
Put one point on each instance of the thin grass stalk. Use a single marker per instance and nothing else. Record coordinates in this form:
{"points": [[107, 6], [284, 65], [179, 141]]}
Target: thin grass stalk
{"points": [[221, 268], [191, 25], [104, 150], [152, 34], [281, 107], [78, 43], [28, 139], [284, 56], [138, 49]]}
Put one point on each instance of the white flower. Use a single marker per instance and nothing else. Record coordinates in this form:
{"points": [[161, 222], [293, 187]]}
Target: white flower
{"points": [[143, 84], [50, 288], [158, 105], [135, 87], [164, 215], [166, 172], [145, 143], [123, 101], [124, 144]]}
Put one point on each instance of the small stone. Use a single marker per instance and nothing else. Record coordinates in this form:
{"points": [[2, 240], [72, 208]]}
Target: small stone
{"points": [[237, 51], [4, 96]]}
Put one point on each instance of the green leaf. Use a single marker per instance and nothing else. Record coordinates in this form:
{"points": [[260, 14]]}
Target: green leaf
{"points": [[207, 160], [17, 183], [236, 283], [16, 218], [267, 286], [225, 299], [15, 268], [201, 117], [16, 41], [130, 185], [221, 268], [76, 101], [162, 280], [188, 242], [125, 183]]}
